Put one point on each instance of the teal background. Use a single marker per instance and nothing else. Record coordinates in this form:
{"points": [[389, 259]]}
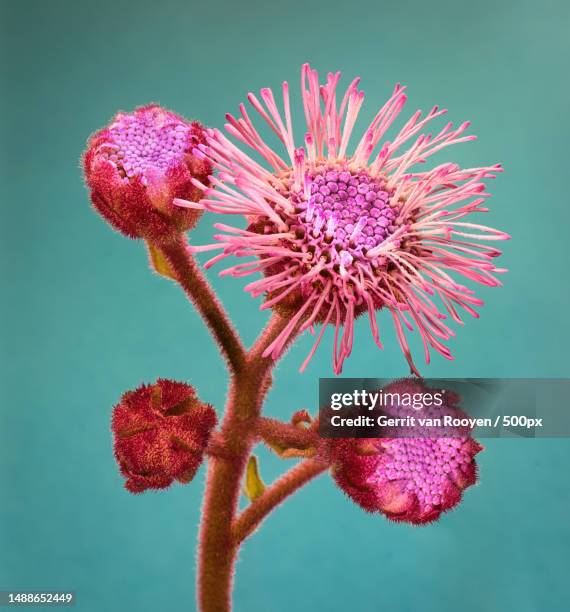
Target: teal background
{"points": [[83, 319]]}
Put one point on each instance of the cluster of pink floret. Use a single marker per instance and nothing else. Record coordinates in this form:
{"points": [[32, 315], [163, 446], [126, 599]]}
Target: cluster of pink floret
{"points": [[408, 479], [351, 209], [408, 251], [333, 236]]}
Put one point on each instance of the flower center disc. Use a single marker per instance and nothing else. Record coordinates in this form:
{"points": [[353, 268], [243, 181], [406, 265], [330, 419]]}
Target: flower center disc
{"points": [[425, 465], [142, 141], [349, 210]]}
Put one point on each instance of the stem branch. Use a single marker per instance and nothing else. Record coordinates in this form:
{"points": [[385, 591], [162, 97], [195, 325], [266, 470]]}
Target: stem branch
{"points": [[280, 435], [217, 547], [198, 289], [299, 475]]}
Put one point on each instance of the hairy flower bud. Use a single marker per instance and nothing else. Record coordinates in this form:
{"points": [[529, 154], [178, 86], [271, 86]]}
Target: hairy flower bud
{"points": [[160, 433], [410, 480], [138, 165]]}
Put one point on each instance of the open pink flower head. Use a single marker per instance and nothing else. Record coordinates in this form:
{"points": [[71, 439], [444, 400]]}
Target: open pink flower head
{"points": [[137, 165], [412, 480], [161, 432], [338, 234]]}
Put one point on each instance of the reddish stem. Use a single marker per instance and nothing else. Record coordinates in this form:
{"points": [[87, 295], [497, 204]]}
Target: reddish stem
{"points": [[217, 545], [197, 288], [250, 380], [281, 436], [250, 519]]}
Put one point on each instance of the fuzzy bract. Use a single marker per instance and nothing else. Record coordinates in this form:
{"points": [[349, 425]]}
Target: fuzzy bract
{"points": [[160, 434]]}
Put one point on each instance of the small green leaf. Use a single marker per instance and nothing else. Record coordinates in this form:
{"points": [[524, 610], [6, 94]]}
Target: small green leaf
{"points": [[159, 263], [254, 486]]}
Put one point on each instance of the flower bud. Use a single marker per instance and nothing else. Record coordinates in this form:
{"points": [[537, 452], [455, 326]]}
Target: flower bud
{"points": [[160, 434], [410, 480], [137, 165]]}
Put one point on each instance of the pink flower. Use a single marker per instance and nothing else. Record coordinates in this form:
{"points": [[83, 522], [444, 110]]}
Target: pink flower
{"points": [[137, 165], [161, 432], [411, 480], [336, 235]]}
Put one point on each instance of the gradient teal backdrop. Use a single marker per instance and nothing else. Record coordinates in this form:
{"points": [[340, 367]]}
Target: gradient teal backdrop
{"points": [[83, 319]]}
